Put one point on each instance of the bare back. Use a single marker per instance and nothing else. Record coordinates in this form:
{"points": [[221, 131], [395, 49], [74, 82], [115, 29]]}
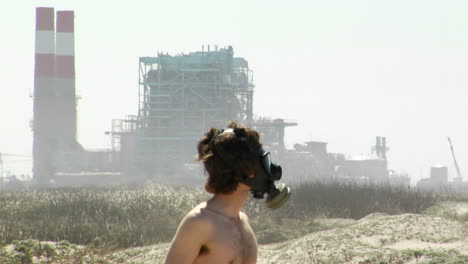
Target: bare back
{"points": [[214, 238]]}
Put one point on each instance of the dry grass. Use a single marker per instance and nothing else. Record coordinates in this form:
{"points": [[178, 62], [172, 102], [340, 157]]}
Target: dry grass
{"points": [[350, 200], [115, 218], [138, 216]]}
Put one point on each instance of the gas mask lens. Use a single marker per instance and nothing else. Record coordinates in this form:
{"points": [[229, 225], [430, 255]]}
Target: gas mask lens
{"points": [[273, 170], [266, 161]]}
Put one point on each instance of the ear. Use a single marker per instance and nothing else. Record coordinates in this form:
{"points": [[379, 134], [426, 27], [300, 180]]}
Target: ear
{"points": [[240, 176], [245, 176]]}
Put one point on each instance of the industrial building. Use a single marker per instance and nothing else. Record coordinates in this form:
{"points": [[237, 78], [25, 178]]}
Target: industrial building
{"points": [[179, 98]]}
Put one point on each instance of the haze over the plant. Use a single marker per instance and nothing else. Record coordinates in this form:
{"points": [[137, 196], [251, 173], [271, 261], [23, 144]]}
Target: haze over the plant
{"points": [[345, 70]]}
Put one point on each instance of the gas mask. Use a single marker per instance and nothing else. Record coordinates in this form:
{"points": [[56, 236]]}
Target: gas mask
{"points": [[266, 173]]}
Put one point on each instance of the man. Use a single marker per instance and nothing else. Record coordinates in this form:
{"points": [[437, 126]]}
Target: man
{"points": [[216, 231]]}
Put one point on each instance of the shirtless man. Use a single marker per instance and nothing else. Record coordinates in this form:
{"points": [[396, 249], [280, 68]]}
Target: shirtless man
{"points": [[216, 231]]}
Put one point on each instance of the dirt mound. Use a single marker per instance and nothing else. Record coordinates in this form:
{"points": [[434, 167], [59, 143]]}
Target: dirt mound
{"points": [[375, 238]]}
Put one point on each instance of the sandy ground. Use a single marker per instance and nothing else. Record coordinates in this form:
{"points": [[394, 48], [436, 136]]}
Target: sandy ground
{"points": [[368, 240]]}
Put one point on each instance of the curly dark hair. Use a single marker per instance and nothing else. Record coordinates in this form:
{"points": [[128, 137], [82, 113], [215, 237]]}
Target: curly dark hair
{"points": [[228, 157]]}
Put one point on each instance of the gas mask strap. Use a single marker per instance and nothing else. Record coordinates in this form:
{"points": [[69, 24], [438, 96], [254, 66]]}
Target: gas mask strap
{"points": [[215, 136], [227, 130]]}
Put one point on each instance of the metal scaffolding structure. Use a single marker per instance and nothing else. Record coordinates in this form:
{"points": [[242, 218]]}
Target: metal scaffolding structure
{"points": [[272, 132], [180, 97]]}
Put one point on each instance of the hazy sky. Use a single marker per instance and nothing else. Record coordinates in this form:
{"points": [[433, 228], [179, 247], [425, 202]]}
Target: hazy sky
{"points": [[346, 71]]}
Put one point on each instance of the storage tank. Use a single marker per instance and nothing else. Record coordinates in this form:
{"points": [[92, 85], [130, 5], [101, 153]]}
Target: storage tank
{"points": [[439, 173]]}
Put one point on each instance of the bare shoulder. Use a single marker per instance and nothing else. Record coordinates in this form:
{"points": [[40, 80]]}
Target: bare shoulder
{"points": [[244, 217], [193, 232], [194, 227], [246, 223], [197, 217]]}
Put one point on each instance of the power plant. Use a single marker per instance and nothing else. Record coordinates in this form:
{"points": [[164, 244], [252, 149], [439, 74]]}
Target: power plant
{"points": [[179, 98]]}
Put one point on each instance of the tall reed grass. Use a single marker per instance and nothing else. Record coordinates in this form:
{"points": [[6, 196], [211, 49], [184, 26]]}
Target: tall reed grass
{"points": [[136, 216], [118, 217], [353, 200]]}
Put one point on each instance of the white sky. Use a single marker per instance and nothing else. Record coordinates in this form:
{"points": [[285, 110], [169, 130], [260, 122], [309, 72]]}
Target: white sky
{"points": [[346, 70]]}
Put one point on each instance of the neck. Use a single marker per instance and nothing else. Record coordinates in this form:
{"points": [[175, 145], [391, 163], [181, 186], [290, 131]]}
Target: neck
{"points": [[229, 204]]}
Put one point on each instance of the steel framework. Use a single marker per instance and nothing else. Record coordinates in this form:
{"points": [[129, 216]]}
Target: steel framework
{"points": [[180, 97]]}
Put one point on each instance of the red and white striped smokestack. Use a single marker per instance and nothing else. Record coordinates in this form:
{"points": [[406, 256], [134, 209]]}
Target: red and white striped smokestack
{"points": [[44, 50], [44, 102], [65, 78]]}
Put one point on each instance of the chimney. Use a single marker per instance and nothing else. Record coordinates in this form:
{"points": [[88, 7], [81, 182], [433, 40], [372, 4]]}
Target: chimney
{"points": [[65, 80], [44, 96]]}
